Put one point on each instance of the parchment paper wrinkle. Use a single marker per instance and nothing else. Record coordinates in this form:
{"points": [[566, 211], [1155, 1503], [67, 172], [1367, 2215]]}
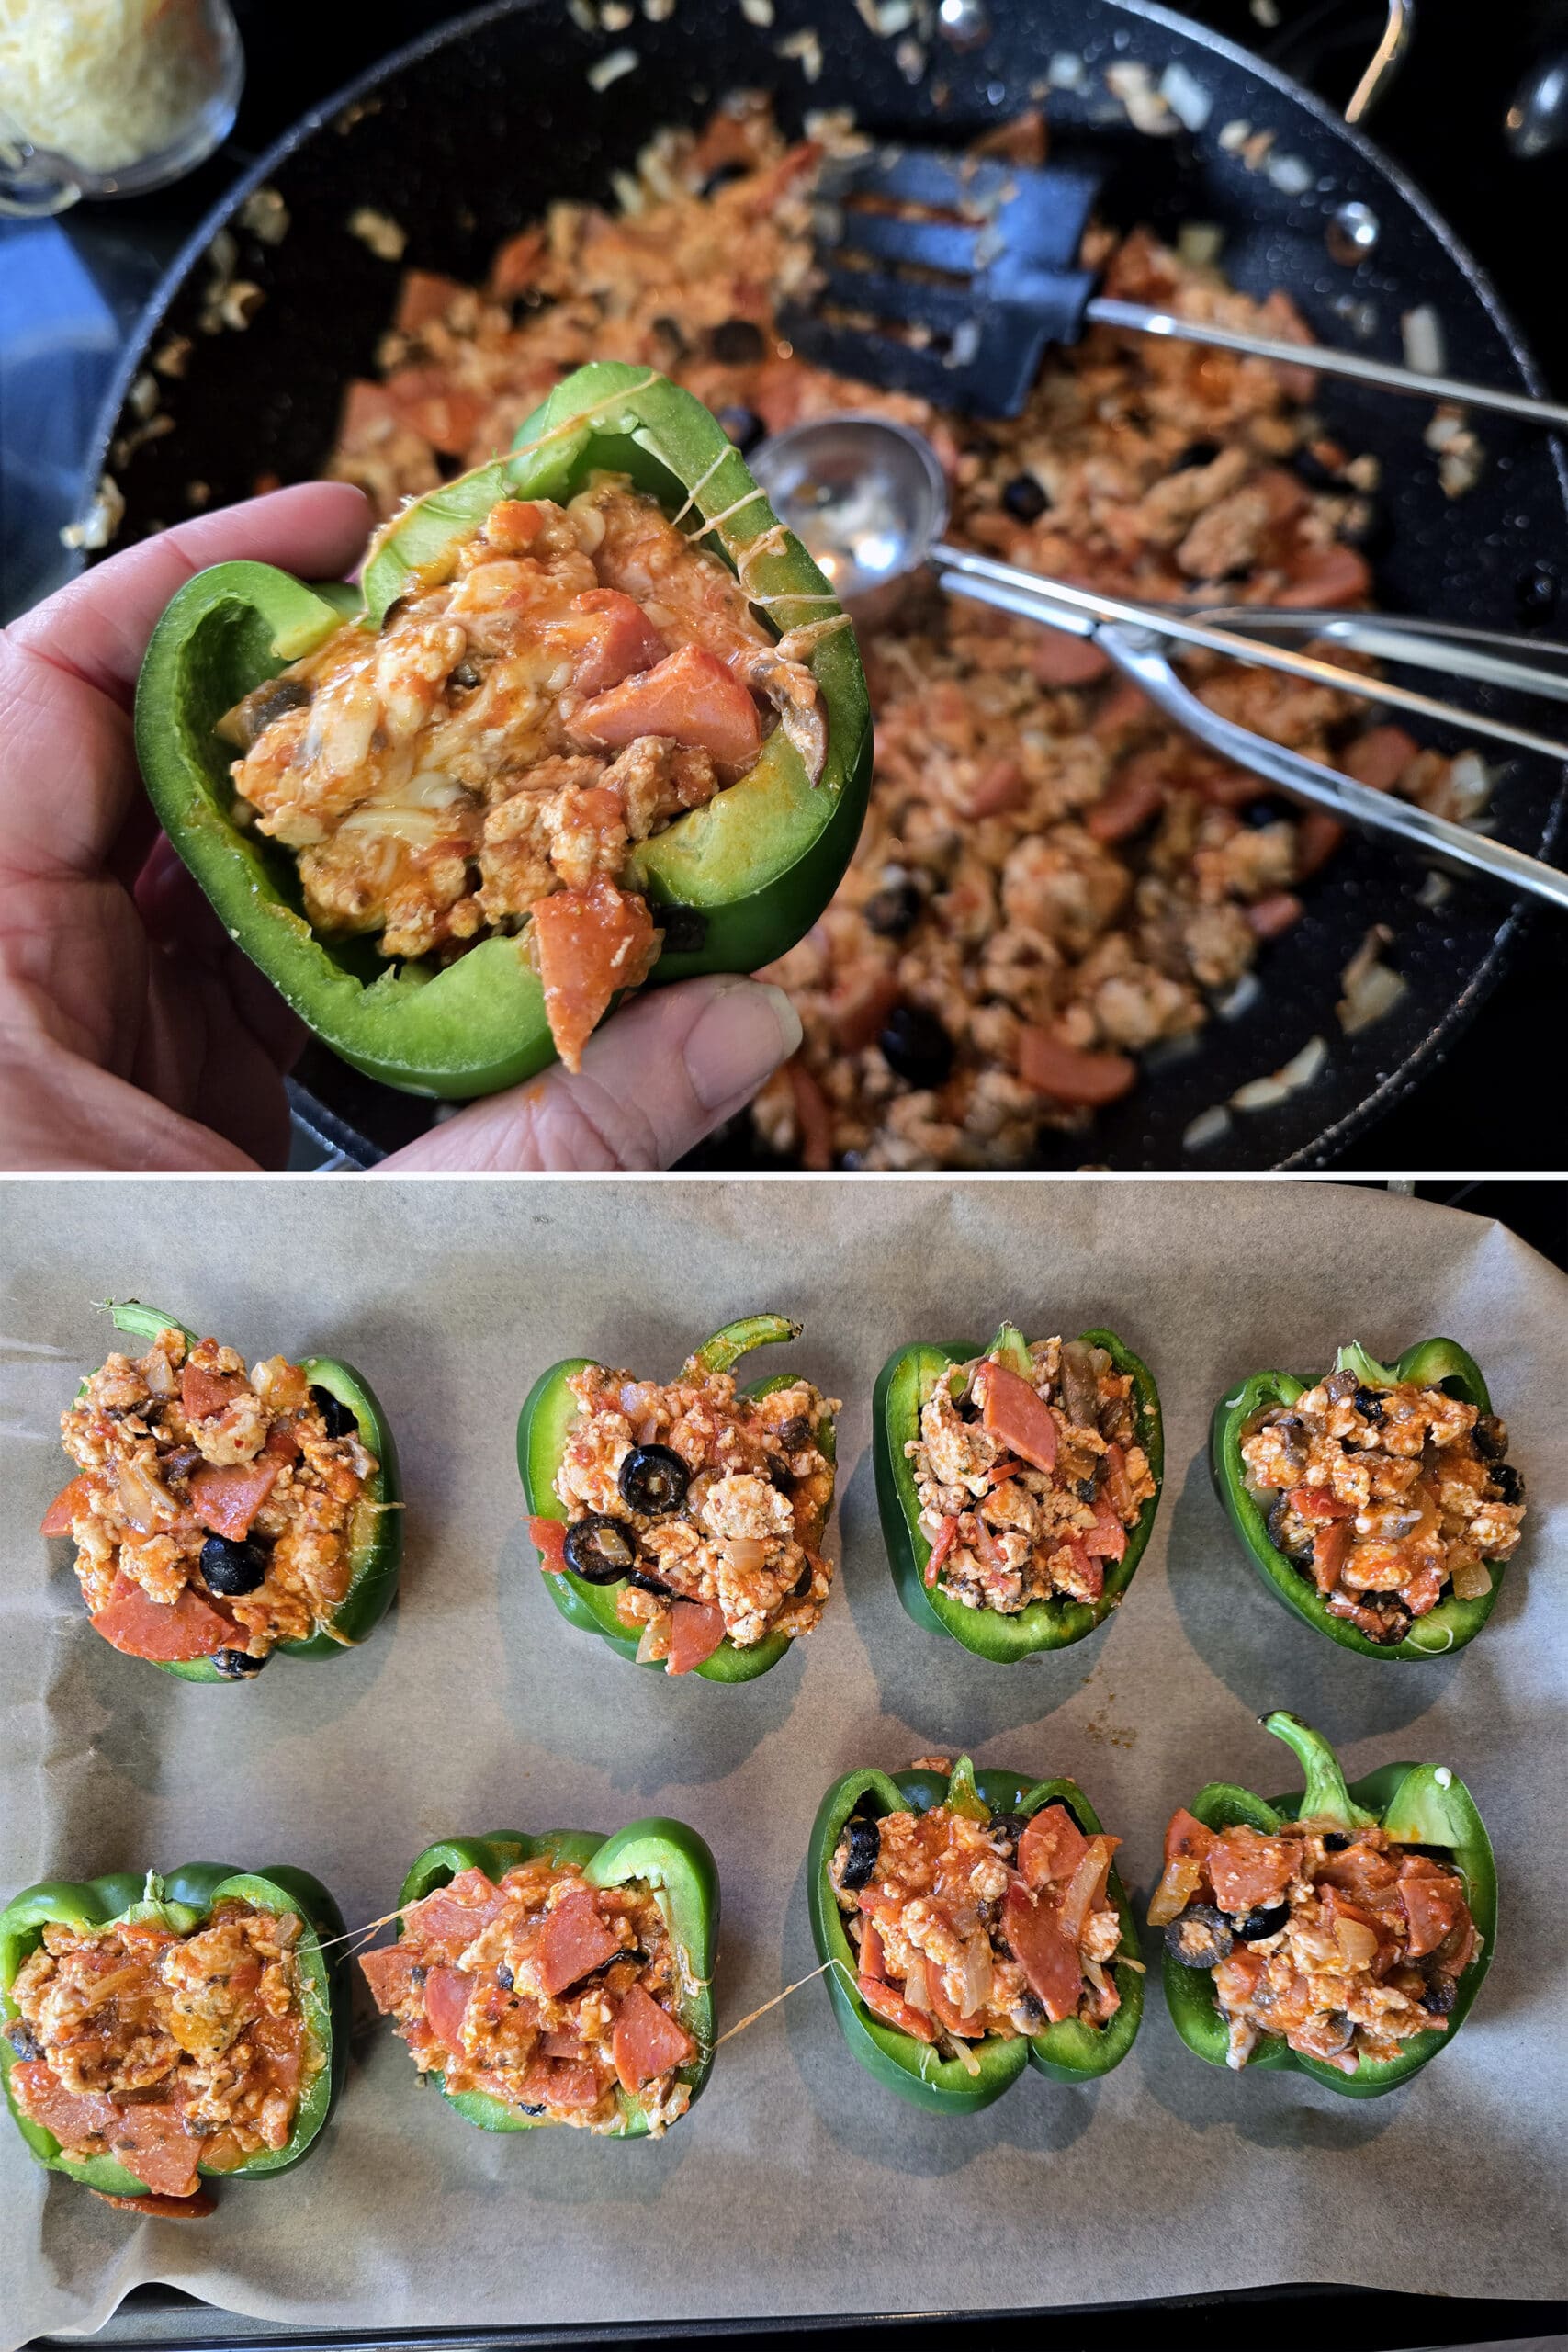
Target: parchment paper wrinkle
{"points": [[797, 2185]]}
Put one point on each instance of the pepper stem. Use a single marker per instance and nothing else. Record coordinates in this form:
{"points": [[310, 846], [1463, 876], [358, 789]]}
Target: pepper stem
{"points": [[1325, 1796], [1010, 1347], [146, 1322], [725, 1350], [1353, 1357], [962, 1796]]}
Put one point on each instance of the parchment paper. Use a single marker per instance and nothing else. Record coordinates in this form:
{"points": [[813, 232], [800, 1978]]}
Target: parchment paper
{"points": [[796, 2186]]}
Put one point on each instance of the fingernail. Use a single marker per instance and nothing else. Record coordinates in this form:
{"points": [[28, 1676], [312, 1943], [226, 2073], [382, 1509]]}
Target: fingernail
{"points": [[740, 1038]]}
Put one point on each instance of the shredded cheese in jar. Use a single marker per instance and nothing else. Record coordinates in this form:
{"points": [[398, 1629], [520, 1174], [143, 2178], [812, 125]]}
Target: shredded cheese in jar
{"points": [[107, 83]]}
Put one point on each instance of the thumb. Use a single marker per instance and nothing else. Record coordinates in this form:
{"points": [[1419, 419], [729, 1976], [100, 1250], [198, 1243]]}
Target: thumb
{"points": [[663, 1074]]}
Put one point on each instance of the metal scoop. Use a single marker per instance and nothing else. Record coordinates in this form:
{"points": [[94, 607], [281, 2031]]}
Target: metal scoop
{"points": [[869, 499]]}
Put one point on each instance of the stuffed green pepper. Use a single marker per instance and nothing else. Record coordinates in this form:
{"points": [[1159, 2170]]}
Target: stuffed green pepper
{"points": [[220, 1513], [1017, 1485], [1342, 1931], [684, 1521], [598, 720], [160, 2031], [559, 1978], [973, 1924], [1379, 1503]]}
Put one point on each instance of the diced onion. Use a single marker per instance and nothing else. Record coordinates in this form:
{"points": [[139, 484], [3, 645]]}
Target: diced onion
{"points": [[1422, 334], [1359, 1943]]}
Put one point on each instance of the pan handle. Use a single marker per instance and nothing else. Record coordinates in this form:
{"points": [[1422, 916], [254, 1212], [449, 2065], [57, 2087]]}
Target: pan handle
{"points": [[1384, 62]]}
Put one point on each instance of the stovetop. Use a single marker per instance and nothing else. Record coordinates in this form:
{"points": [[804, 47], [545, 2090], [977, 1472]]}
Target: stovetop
{"points": [[71, 291]]}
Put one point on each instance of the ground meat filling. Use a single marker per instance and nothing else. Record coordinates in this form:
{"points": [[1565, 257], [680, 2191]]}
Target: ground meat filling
{"points": [[1388, 1499], [963, 1927], [1052, 879], [722, 1500], [162, 2051], [584, 676], [1028, 1488], [554, 1996], [217, 1509], [1346, 1945]]}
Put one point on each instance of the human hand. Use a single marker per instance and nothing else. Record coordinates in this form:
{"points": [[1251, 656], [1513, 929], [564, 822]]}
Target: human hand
{"points": [[135, 1035]]}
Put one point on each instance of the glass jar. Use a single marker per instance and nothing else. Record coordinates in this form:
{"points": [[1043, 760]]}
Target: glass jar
{"points": [[110, 98]]}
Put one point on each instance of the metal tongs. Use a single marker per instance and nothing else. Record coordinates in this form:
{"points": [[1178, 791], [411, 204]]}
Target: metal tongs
{"points": [[869, 500], [986, 285]]}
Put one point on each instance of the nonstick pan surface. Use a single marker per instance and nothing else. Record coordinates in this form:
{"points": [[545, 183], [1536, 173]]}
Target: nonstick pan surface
{"points": [[468, 134]]}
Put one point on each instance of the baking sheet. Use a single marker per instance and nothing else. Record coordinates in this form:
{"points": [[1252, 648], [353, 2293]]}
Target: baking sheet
{"points": [[797, 2185]]}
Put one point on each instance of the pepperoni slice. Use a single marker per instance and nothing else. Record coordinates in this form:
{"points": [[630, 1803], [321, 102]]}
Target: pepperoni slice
{"points": [[454, 1914], [1021, 1418], [69, 1504], [1434, 1907], [1050, 1847], [1050, 1965], [620, 641], [389, 1975], [696, 1629], [573, 1941], [690, 697], [588, 946], [1107, 1539], [227, 1498], [1247, 1869], [204, 1393], [169, 1633], [446, 1992], [548, 1536], [164, 2209], [893, 2010], [647, 2041]]}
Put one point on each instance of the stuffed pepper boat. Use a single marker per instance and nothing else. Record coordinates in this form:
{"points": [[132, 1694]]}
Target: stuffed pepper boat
{"points": [[1342, 1931], [1379, 1503], [599, 721], [683, 1522], [219, 1514], [1018, 1486], [563, 1978], [972, 1923], [159, 2031]]}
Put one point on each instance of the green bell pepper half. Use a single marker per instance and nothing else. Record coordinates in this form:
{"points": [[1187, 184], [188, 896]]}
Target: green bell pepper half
{"points": [[668, 1857], [376, 1541], [746, 875], [1417, 1804], [543, 1429], [182, 1899], [1440, 1363], [904, 1384], [1068, 2052]]}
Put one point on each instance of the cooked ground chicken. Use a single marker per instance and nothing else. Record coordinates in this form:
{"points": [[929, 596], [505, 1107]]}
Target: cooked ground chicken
{"points": [[1344, 1945], [963, 1927], [165, 2051], [1028, 1486], [721, 1497], [1052, 879], [581, 677], [217, 1509], [552, 1996], [1389, 1498]]}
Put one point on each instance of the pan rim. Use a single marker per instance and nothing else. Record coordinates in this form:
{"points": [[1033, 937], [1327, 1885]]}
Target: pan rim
{"points": [[1327, 1149]]}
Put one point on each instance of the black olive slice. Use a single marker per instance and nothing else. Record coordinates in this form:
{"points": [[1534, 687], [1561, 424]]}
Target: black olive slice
{"points": [[600, 1550], [417, 1976], [894, 911], [340, 1419], [1368, 1404], [1510, 1484], [1201, 1937], [1004, 1830], [504, 1977], [237, 1665], [1338, 2032], [742, 425], [1196, 454], [23, 2040], [796, 1435], [737, 343], [1267, 1920], [1334, 1841], [230, 1568], [1025, 498], [860, 1844], [915, 1047], [1438, 1998], [524, 2109], [654, 1479], [1490, 1438], [1277, 1536]]}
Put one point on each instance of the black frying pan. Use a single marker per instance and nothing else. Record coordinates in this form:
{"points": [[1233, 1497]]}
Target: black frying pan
{"points": [[466, 135]]}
